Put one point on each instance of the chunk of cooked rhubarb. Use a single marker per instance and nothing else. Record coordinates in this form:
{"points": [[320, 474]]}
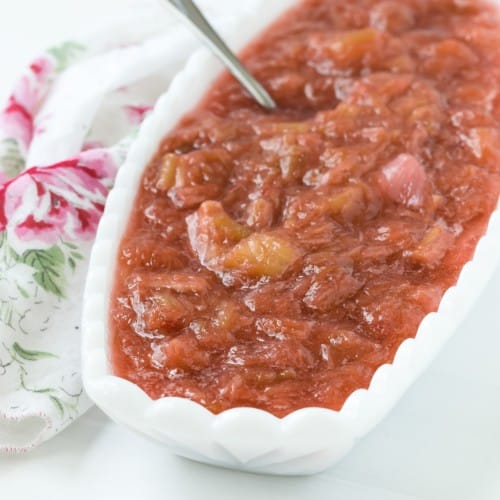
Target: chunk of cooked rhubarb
{"points": [[229, 315], [281, 354], [260, 214], [318, 233], [432, 248], [404, 180], [330, 288], [402, 63], [262, 255], [471, 94], [348, 49], [294, 152], [192, 196], [227, 229], [288, 84], [340, 346], [347, 120], [203, 166], [484, 143], [263, 378], [183, 352], [392, 16], [378, 87], [347, 204], [285, 328], [184, 283], [229, 319], [211, 231], [274, 128], [447, 58], [293, 163], [341, 163], [193, 170], [160, 311], [421, 93], [167, 171], [209, 334], [180, 282], [428, 117], [277, 298], [391, 313], [144, 251]]}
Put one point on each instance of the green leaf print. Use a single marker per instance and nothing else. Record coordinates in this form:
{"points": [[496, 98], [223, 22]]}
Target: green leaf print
{"points": [[11, 159], [77, 255], [73, 256], [58, 404], [65, 54], [49, 267], [22, 291], [30, 355], [6, 313], [72, 263], [70, 245]]}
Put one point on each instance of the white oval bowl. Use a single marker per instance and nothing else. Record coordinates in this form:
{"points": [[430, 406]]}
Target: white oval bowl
{"points": [[306, 441]]}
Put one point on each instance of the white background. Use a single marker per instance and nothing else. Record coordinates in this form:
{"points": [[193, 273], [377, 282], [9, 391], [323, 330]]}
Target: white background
{"points": [[442, 442]]}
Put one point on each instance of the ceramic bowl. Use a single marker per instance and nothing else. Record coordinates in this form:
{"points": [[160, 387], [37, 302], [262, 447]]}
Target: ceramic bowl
{"points": [[306, 441]]}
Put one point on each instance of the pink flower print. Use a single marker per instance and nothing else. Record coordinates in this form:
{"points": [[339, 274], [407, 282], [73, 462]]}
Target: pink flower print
{"points": [[89, 145], [101, 161], [16, 120], [42, 67], [136, 114], [65, 201], [32, 87]]}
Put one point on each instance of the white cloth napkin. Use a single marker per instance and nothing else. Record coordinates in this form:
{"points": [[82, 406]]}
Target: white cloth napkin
{"points": [[64, 132]]}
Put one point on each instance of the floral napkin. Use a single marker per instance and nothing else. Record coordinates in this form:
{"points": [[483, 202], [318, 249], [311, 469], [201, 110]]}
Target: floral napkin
{"points": [[64, 133]]}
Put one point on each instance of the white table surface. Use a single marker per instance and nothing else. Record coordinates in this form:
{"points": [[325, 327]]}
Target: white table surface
{"points": [[442, 442]]}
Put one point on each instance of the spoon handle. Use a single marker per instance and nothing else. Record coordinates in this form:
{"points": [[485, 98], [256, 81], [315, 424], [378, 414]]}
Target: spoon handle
{"points": [[192, 15]]}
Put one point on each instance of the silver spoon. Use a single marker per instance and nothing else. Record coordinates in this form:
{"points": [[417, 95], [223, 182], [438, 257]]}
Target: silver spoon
{"points": [[190, 14]]}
